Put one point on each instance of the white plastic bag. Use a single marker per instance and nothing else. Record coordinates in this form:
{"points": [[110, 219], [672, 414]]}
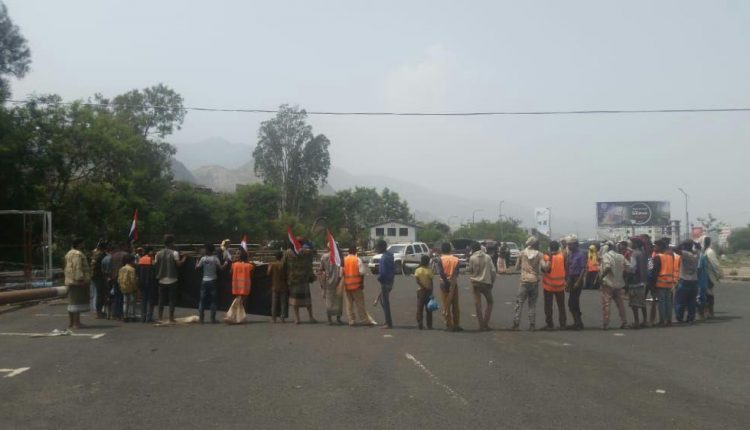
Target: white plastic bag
{"points": [[236, 313]]}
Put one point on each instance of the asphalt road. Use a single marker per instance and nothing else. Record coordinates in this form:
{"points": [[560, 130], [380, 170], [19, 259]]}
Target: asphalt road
{"points": [[263, 376]]}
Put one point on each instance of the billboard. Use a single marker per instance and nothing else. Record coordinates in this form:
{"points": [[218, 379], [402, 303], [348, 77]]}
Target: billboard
{"points": [[629, 214], [542, 217]]}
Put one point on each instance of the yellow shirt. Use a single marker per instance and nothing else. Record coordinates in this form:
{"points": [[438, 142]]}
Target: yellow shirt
{"points": [[127, 279], [77, 269], [424, 277]]}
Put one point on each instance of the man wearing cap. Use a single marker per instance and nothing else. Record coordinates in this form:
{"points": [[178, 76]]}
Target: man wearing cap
{"points": [[575, 271], [482, 275], [529, 263], [613, 269], [687, 289]]}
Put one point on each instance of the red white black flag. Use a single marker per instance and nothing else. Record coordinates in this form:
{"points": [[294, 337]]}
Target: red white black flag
{"points": [[133, 235], [296, 246]]}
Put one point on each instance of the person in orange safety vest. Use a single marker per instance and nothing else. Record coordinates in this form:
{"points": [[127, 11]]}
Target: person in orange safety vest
{"points": [[553, 283]]}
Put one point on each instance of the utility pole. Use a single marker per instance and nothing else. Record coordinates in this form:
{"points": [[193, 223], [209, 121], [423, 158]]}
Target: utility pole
{"points": [[473, 215], [500, 219], [687, 219]]}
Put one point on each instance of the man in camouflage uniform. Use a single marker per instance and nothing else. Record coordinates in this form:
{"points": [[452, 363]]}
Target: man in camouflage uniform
{"points": [[299, 274]]}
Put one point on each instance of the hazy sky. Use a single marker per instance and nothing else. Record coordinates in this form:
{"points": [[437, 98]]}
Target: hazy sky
{"points": [[443, 56]]}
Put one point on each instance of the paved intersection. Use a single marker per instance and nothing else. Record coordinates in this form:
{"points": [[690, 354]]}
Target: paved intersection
{"points": [[262, 376]]}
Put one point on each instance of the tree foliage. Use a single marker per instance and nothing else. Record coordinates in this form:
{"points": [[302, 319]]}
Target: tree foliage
{"points": [[291, 158], [433, 233], [739, 240], [711, 224], [355, 210], [15, 56], [508, 230], [90, 165]]}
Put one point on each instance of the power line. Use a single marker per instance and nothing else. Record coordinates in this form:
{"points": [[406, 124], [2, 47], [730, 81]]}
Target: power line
{"points": [[378, 113]]}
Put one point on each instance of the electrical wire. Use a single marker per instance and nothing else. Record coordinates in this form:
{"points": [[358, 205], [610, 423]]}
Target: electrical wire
{"points": [[377, 113]]}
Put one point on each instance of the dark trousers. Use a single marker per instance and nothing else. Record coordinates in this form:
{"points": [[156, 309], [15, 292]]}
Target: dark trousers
{"points": [[280, 305], [101, 294], [685, 300], [423, 297], [116, 300], [208, 290], [148, 301], [592, 279], [385, 301], [574, 298], [164, 290], [558, 297]]}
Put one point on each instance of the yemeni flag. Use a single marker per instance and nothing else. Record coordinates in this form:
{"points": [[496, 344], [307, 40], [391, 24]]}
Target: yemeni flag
{"points": [[333, 249], [133, 235], [296, 246], [243, 242]]}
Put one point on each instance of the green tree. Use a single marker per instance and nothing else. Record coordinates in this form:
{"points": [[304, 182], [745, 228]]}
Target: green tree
{"points": [[355, 210], [739, 240], [84, 163], [15, 56], [509, 230], [433, 232], [154, 112], [711, 224], [291, 158]]}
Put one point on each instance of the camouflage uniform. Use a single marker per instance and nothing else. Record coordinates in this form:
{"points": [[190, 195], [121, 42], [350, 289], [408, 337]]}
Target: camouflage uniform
{"points": [[299, 274]]}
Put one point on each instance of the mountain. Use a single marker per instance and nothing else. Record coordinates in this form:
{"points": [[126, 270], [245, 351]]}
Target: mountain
{"points": [[213, 151], [222, 179], [221, 165], [180, 172]]}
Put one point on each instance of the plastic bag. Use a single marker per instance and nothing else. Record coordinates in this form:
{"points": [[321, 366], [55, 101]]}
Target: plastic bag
{"points": [[236, 313], [432, 304]]}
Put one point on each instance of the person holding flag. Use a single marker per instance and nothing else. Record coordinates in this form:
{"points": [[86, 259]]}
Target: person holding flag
{"points": [[329, 276], [298, 267]]}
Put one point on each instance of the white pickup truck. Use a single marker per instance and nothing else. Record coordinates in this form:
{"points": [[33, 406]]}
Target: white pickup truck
{"points": [[406, 257]]}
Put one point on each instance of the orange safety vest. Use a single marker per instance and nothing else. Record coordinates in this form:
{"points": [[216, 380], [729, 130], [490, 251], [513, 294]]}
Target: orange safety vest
{"points": [[145, 261], [242, 275], [449, 262], [353, 280], [677, 262], [665, 278], [592, 265], [554, 281]]}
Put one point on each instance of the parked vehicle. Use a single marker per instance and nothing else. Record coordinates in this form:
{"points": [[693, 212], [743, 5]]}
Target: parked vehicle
{"points": [[406, 257], [462, 250], [514, 251]]}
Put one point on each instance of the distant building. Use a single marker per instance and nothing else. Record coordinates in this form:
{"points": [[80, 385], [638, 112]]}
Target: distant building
{"points": [[393, 232]]}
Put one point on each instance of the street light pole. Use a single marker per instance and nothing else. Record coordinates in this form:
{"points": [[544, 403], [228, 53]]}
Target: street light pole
{"points": [[473, 214], [549, 223], [500, 219], [687, 219]]}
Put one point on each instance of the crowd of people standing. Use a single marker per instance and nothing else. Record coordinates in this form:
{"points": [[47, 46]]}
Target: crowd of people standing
{"points": [[677, 281]]}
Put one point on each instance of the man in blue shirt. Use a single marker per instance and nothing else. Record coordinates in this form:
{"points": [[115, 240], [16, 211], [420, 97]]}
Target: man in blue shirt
{"points": [[575, 270], [386, 273]]}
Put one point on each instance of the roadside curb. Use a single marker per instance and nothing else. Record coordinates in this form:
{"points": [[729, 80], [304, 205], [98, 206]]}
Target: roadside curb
{"points": [[737, 278]]}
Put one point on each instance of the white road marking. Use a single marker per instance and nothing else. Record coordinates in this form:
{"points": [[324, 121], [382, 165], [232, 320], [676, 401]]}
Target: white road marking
{"points": [[14, 372], [554, 343], [661, 392], [56, 333], [387, 335], [435, 379], [618, 334]]}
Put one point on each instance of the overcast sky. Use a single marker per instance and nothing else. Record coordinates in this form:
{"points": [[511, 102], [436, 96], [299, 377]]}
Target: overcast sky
{"points": [[443, 56]]}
